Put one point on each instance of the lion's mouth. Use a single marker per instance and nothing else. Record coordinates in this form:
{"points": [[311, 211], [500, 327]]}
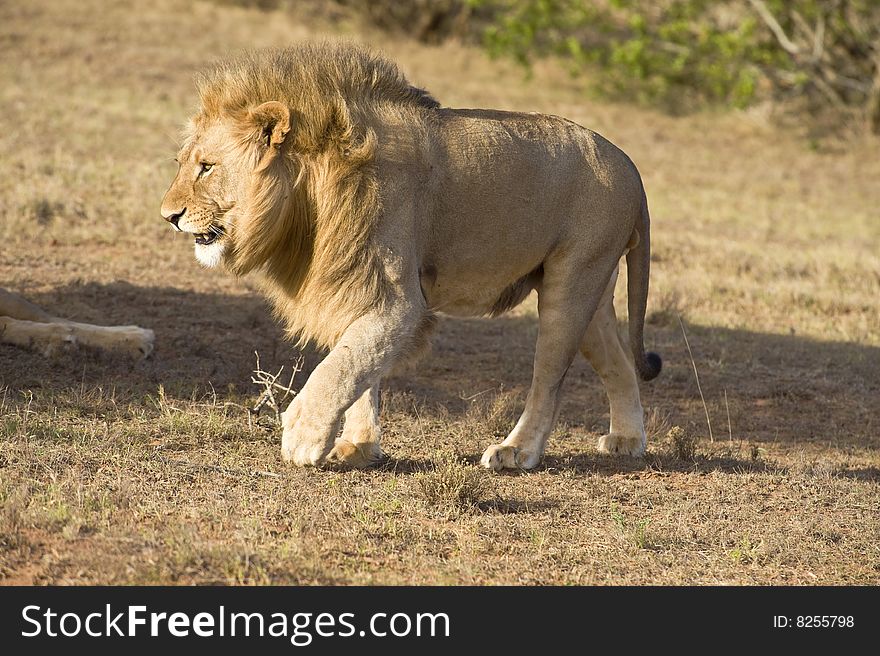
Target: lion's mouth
{"points": [[207, 238]]}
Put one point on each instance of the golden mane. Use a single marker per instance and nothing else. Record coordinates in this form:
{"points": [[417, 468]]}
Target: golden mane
{"points": [[312, 211]]}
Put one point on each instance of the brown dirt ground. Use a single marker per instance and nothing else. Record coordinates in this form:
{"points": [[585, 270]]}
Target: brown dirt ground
{"points": [[767, 244]]}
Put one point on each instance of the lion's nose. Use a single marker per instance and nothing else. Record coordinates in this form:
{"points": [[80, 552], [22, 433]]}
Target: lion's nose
{"points": [[173, 217]]}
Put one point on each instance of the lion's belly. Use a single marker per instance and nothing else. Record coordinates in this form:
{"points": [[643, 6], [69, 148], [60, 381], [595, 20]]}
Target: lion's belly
{"points": [[476, 291], [461, 301]]}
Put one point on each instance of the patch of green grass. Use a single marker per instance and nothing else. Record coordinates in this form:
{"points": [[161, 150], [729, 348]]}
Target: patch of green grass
{"points": [[107, 478], [634, 531], [746, 552]]}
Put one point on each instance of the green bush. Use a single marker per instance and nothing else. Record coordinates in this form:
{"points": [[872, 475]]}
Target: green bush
{"points": [[682, 53]]}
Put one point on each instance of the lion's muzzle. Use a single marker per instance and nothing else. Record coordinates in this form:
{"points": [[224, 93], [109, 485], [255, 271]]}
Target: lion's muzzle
{"points": [[173, 217]]}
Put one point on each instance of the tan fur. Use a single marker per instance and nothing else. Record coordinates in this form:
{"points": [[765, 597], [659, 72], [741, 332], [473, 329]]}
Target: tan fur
{"points": [[364, 208], [24, 324], [320, 199]]}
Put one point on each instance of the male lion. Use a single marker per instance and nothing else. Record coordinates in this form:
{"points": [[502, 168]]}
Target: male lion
{"points": [[364, 208]]}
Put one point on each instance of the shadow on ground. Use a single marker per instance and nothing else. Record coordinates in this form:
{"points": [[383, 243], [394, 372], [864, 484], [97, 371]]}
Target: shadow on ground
{"points": [[781, 388]]}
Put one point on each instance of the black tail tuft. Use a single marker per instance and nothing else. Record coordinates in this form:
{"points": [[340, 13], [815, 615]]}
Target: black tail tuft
{"points": [[651, 367]]}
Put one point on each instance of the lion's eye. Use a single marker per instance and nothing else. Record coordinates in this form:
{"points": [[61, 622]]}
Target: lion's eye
{"points": [[205, 168]]}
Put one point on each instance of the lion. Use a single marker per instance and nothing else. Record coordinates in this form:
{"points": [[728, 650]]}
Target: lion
{"points": [[24, 324], [364, 209]]}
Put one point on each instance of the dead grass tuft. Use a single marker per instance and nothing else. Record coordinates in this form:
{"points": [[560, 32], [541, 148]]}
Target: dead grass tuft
{"points": [[813, 467], [754, 453], [494, 415], [658, 423], [44, 211], [452, 485], [12, 510], [683, 444], [665, 308]]}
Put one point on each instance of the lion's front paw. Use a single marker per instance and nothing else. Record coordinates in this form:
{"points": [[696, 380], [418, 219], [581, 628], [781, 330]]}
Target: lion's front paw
{"points": [[622, 445], [348, 455], [304, 453], [134, 341], [503, 456], [307, 437]]}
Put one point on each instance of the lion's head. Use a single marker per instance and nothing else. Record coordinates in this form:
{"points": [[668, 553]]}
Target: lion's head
{"points": [[231, 189], [278, 176]]}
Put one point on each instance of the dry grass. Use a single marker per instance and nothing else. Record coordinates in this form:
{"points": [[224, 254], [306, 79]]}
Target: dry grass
{"points": [[153, 473], [684, 446], [452, 485]]}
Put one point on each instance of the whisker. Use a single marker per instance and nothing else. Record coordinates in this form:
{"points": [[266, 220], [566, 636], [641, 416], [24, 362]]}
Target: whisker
{"points": [[172, 139]]}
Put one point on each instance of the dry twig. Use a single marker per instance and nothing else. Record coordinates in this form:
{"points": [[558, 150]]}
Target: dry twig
{"points": [[697, 376], [271, 387], [231, 471]]}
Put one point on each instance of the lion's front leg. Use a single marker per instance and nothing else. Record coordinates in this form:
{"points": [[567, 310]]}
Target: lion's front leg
{"points": [[308, 431], [358, 446], [350, 373]]}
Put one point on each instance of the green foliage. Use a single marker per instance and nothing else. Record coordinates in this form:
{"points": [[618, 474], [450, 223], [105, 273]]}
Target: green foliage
{"points": [[681, 53], [635, 531], [674, 55]]}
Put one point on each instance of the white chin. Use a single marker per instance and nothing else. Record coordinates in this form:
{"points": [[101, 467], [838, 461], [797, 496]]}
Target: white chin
{"points": [[209, 255]]}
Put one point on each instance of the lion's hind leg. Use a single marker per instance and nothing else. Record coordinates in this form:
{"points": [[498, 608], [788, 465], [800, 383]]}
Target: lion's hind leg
{"points": [[358, 446], [567, 298], [605, 350]]}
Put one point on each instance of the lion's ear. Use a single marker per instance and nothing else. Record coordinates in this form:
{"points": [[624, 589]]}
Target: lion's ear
{"points": [[271, 122]]}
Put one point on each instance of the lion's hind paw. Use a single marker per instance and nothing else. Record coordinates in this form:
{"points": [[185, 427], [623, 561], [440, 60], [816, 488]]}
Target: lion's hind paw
{"points": [[622, 445], [505, 456]]}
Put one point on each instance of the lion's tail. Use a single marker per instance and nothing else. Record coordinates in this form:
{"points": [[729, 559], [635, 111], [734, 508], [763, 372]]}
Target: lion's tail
{"points": [[638, 266]]}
